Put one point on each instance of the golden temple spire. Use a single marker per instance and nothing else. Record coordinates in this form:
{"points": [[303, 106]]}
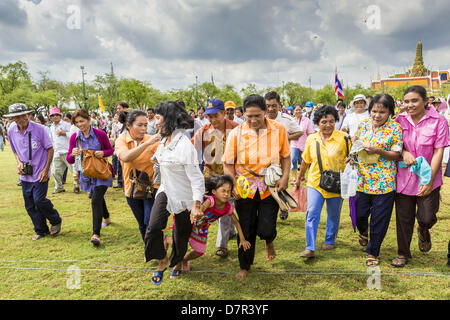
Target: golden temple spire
{"points": [[418, 69]]}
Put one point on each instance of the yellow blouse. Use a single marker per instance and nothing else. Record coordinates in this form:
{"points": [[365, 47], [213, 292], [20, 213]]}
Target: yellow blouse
{"points": [[333, 155]]}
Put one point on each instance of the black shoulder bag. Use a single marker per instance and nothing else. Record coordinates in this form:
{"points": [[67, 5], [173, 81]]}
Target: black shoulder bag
{"points": [[141, 185], [329, 180]]}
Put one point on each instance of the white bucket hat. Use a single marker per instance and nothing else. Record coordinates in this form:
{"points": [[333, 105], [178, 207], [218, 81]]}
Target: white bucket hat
{"points": [[359, 97]]}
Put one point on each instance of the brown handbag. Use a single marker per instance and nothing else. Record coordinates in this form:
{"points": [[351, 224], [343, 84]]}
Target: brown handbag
{"points": [[94, 167]]}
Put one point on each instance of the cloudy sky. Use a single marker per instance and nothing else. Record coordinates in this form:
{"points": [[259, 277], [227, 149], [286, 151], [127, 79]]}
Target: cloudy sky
{"points": [[169, 42]]}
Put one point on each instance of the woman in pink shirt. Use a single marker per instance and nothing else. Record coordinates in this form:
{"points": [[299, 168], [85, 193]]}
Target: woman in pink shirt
{"points": [[297, 146], [425, 134]]}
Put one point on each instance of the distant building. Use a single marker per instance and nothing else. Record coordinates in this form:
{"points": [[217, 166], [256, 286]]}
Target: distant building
{"points": [[417, 75]]}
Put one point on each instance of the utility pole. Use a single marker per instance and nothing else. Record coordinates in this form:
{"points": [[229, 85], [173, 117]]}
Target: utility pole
{"points": [[196, 92], [84, 88], [310, 95]]}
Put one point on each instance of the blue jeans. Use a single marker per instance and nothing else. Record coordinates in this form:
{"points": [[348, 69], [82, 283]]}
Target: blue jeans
{"points": [[2, 145], [296, 158], [39, 208], [315, 205], [141, 210]]}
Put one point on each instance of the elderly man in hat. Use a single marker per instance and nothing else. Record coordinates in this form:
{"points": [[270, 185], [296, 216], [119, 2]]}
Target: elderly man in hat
{"points": [[210, 143], [230, 108], [60, 137], [358, 106], [33, 150]]}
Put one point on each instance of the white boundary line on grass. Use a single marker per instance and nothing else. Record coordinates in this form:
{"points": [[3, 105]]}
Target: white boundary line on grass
{"points": [[151, 269]]}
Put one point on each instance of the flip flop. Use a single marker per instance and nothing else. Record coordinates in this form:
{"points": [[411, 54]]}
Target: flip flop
{"points": [[158, 274], [222, 252], [363, 240], [372, 262], [175, 274], [399, 265]]}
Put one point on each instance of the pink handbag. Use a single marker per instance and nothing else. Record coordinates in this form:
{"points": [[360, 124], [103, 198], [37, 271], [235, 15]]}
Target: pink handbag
{"points": [[300, 195]]}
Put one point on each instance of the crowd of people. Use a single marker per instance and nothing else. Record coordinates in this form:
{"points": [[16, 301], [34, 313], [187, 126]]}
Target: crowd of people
{"points": [[206, 165]]}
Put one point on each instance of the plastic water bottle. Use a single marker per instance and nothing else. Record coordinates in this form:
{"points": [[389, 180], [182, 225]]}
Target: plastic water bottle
{"points": [[78, 166]]}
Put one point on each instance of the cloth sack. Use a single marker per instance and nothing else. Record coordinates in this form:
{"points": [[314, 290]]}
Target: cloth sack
{"points": [[301, 197]]}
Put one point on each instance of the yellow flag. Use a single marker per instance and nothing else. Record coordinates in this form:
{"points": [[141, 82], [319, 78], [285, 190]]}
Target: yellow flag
{"points": [[100, 103]]}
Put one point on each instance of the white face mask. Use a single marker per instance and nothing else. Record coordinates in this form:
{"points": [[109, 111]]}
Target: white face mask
{"points": [[308, 109]]}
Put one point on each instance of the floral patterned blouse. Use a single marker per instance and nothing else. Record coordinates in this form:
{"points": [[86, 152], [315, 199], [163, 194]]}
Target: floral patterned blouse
{"points": [[379, 177]]}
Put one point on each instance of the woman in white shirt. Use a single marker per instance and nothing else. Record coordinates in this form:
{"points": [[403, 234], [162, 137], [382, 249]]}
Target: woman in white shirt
{"points": [[181, 190], [359, 105]]}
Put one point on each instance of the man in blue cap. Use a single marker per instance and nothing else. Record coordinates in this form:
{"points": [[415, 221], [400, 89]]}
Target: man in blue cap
{"points": [[210, 143]]}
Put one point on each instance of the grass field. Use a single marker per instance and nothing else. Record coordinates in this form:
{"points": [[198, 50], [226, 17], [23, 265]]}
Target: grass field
{"points": [[116, 270]]}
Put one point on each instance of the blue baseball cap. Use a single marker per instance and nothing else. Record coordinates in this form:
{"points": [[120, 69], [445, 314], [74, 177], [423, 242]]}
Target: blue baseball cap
{"points": [[213, 106], [309, 104]]}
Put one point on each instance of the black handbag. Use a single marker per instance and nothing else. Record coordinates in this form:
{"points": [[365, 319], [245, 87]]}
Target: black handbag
{"points": [[329, 180], [141, 184]]}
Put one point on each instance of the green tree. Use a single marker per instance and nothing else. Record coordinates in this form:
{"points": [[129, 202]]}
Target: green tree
{"points": [[325, 95], [228, 93], [135, 92], [295, 93], [250, 89], [13, 75]]}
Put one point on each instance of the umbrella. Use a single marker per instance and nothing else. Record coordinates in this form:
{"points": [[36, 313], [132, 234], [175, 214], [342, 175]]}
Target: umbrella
{"points": [[352, 205]]}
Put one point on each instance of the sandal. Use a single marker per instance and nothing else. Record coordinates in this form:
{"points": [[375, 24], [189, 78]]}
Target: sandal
{"points": [[424, 244], [222, 252], [175, 274], [158, 274], [95, 239], [37, 237], [363, 239], [372, 262], [399, 265]]}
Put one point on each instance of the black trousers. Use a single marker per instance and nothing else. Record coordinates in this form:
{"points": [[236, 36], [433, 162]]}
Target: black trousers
{"points": [[154, 236], [407, 209], [99, 209], [257, 218], [379, 208]]}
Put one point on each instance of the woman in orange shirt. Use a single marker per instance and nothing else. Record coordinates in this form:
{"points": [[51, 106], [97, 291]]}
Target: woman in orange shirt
{"points": [[135, 149]]}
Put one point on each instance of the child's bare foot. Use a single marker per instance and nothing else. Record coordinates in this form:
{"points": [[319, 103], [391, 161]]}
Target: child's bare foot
{"points": [[270, 251], [185, 266], [241, 275], [167, 242]]}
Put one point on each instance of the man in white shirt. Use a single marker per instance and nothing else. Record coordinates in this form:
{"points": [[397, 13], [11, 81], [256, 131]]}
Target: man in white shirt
{"points": [[273, 103], [293, 130], [60, 131]]}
